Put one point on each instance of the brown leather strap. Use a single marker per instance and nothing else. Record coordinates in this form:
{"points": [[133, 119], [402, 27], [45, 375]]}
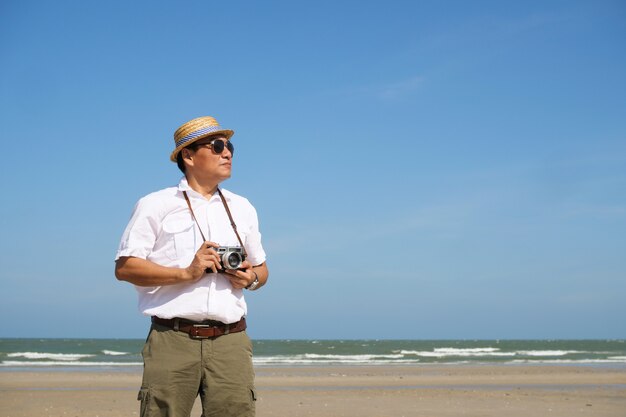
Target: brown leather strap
{"points": [[201, 330], [194, 215], [230, 217], [232, 222]]}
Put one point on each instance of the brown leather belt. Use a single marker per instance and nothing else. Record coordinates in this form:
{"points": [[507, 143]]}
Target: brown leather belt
{"points": [[201, 330]]}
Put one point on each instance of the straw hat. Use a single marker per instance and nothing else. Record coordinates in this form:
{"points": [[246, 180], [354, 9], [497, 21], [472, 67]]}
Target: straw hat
{"points": [[197, 129]]}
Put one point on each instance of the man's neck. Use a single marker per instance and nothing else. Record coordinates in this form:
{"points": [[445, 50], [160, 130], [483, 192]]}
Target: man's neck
{"points": [[206, 188]]}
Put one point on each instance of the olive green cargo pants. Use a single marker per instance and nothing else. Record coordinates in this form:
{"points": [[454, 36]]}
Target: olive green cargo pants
{"points": [[177, 368]]}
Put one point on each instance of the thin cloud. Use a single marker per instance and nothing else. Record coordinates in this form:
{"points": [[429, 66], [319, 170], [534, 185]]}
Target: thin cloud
{"points": [[401, 89], [603, 211], [389, 91]]}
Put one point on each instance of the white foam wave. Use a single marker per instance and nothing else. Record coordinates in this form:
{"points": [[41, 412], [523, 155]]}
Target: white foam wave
{"points": [[313, 358], [468, 350], [615, 359], [447, 352], [349, 357], [546, 352], [52, 356], [64, 363], [114, 353], [301, 360], [485, 352]]}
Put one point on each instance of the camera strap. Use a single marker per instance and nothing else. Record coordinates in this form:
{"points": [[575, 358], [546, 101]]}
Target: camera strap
{"points": [[230, 216]]}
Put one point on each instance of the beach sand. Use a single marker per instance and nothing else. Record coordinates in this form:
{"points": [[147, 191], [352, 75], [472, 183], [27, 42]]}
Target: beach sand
{"points": [[394, 391]]}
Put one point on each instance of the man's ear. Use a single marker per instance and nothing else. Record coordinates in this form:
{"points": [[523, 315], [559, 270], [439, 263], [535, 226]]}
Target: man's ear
{"points": [[186, 154]]}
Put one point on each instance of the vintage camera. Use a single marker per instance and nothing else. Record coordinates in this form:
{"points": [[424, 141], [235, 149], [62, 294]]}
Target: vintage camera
{"points": [[231, 257]]}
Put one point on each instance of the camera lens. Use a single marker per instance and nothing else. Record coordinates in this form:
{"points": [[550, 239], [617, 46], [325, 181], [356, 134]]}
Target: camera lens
{"points": [[234, 260]]}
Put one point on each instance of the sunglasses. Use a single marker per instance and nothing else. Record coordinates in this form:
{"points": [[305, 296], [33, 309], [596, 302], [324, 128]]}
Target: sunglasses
{"points": [[217, 145]]}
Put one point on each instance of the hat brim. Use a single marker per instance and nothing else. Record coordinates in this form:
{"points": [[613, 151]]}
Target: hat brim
{"points": [[225, 132]]}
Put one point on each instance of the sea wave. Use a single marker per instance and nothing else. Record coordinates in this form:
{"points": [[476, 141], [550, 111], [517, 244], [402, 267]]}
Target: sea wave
{"points": [[114, 353], [350, 357], [302, 360], [547, 352], [570, 361], [487, 352], [447, 352], [64, 363], [52, 356]]}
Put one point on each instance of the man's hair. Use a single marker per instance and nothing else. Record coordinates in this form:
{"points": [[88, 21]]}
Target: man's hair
{"points": [[179, 161]]}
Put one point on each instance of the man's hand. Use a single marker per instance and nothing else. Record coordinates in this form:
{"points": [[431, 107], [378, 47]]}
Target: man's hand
{"points": [[205, 258], [241, 279]]}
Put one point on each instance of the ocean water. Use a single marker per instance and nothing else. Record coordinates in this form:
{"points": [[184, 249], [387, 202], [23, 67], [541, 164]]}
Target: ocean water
{"points": [[90, 354]]}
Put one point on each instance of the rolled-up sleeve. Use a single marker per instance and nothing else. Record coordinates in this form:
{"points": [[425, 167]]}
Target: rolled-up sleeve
{"points": [[256, 254], [140, 235]]}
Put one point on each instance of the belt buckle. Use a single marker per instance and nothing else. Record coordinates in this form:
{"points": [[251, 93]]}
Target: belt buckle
{"points": [[194, 334]]}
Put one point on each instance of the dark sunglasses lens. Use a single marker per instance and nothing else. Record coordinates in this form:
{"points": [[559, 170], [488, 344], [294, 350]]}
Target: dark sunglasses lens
{"points": [[218, 146]]}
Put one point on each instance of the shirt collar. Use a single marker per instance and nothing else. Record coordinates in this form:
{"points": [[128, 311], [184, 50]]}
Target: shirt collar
{"points": [[183, 185]]}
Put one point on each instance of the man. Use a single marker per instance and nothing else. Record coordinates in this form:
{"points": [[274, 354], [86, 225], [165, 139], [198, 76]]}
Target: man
{"points": [[197, 342]]}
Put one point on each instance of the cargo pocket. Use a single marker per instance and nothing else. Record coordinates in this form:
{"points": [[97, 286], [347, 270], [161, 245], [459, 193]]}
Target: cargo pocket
{"points": [[179, 233], [144, 397]]}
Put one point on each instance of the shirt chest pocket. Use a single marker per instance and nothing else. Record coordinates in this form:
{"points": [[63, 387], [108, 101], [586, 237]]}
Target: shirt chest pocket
{"points": [[180, 237]]}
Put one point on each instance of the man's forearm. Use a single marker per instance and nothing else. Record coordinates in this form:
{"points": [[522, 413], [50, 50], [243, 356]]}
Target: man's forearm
{"points": [[144, 273]]}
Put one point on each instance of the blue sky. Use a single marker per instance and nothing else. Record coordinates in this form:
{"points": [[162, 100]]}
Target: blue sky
{"points": [[420, 169]]}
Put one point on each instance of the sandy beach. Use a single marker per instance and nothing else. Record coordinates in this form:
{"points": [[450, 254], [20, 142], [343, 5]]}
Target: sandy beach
{"points": [[429, 391]]}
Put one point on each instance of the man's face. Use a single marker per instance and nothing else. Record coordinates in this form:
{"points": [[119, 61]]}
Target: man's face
{"points": [[204, 160]]}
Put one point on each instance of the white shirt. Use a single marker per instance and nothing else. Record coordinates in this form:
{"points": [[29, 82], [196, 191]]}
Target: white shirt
{"points": [[163, 231]]}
